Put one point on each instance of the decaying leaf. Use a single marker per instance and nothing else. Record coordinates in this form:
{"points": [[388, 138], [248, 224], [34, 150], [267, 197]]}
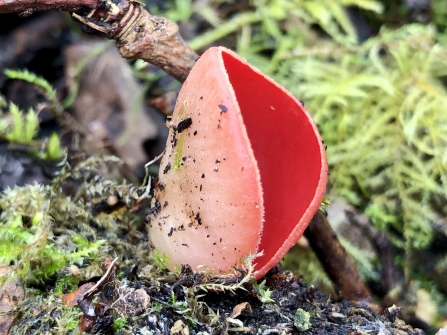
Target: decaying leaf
{"points": [[109, 101], [240, 308], [71, 299], [115, 295], [11, 296]]}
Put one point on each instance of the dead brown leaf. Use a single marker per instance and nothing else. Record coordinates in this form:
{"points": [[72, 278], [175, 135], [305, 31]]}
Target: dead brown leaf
{"points": [[109, 102], [11, 296], [115, 295], [238, 309], [71, 299]]}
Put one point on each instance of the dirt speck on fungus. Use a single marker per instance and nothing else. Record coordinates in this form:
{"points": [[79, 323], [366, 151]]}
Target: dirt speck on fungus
{"points": [[167, 168], [223, 109], [171, 231], [198, 218], [184, 124]]}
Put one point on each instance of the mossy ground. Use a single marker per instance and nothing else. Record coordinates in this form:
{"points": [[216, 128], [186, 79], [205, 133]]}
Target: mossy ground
{"points": [[101, 211]]}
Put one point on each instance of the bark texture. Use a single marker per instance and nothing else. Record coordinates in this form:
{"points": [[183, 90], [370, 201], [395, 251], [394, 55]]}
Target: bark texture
{"points": [[27, 7]]}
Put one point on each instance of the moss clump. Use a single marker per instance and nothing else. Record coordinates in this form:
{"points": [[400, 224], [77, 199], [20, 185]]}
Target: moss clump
{"points": [[18, 127], [301, 320], [26, 239], [46, 314], [378, 110]]}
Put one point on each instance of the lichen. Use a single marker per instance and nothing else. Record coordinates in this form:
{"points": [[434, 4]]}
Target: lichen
{"points": [[301, 320]]}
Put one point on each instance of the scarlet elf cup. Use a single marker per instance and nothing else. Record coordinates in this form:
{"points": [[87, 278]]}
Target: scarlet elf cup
{"points": [[243, 172]]}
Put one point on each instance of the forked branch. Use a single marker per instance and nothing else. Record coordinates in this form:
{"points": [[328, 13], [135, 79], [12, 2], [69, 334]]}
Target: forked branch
{"points": [[138, 34]]}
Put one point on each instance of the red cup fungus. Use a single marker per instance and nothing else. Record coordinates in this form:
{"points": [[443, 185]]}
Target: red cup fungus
{"points": [[243, 172]]}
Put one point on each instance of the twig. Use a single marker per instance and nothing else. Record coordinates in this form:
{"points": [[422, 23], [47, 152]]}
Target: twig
{"points": [[335, 261], [140, 35], [27, 7]]}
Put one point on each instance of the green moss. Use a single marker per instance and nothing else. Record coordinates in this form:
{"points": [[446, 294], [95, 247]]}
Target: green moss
{"points": [[160, 260], [439, 12], [301, 321], [27, 244], [264, 293], [32, 78], [23, 128], [54, 150], [66, 285], [379, 116], [119, 324], [281, 25], [20, 127], [46, 314]]}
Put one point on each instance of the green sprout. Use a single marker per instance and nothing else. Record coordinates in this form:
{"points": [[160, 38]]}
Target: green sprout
{"points": [[54, 149], [119, 324], [264, 294], [160, 259], [32, 78], [181, 305], [21, 128]]}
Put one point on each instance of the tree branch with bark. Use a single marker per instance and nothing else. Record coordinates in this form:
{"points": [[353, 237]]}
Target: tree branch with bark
{"points": [[138, 33], [27, 7]]}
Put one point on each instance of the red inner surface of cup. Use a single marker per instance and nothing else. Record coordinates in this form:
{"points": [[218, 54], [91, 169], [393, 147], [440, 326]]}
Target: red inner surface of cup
{"points": [[287, 148]]}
